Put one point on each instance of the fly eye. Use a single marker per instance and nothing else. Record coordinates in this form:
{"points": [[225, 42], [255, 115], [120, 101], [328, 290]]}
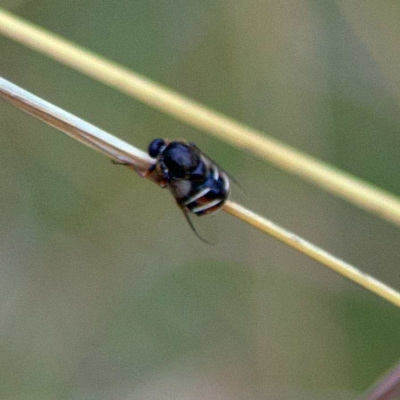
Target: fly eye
{"points": [[155, 147]]}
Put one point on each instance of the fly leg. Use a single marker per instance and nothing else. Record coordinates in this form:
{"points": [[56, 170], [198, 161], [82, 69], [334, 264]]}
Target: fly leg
{"points": [[151, 173]]}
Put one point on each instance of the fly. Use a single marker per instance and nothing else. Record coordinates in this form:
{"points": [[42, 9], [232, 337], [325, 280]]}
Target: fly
{"points": [[197, 183]]}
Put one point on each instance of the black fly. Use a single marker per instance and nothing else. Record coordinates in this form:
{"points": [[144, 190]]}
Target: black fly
{"points": [[198, 185]]}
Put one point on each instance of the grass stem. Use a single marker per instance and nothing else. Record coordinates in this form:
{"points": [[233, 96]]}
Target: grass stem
{"points": [[339, 183], [123, 152]]}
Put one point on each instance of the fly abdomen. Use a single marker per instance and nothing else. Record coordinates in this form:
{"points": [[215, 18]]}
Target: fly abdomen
{"points": [[210, 199]]}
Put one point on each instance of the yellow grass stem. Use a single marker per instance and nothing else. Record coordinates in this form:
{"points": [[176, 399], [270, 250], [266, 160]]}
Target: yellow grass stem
{"points": [[336, 264], [121, 151], [341, 184], [75, 127]]}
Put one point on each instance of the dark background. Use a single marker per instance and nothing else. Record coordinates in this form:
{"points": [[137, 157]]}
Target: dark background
{"points": [[105, 293]]}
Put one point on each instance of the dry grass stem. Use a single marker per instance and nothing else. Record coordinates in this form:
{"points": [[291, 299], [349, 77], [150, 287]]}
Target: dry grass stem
{"points": [[122, 151], [336, 264], [75, 127], [360, 193]]}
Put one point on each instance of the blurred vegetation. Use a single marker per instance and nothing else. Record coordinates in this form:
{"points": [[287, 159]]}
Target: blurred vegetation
{"points": [[106, 293]]}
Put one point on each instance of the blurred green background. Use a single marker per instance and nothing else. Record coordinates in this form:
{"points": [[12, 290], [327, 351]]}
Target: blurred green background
{"points": [[105, 293]]}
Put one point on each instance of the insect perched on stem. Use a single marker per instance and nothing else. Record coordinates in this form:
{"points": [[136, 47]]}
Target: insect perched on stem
{"points": [[198, 185]]}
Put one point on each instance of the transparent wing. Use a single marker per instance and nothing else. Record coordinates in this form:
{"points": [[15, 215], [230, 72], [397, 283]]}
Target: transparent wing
{"points": [[210, 161], [204, 227]]}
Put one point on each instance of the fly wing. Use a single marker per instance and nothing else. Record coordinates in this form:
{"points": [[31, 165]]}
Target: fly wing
{"points": [[209, 161], [204, 228], [201, 224]]}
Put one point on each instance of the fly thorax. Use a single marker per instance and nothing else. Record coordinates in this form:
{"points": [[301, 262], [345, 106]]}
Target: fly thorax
{"points": [[180, 160]]}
